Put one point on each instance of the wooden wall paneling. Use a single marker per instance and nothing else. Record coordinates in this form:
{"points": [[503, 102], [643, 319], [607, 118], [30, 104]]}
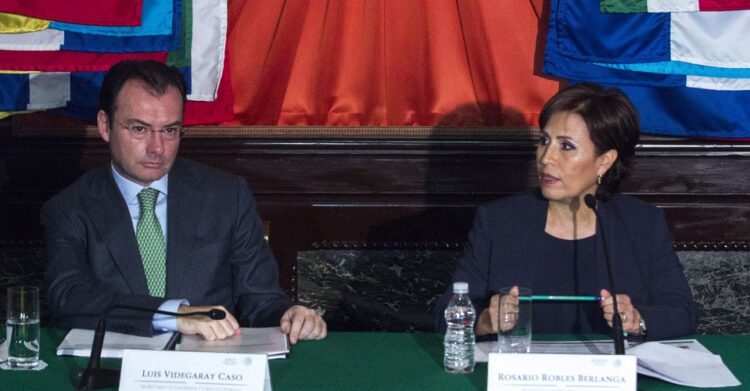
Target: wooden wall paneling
{"points": [[385, 188]]}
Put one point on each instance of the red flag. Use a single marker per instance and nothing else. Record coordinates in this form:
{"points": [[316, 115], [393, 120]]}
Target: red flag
{"points": [[220, 110], [67, 61], [724, 5], [105, 13]]}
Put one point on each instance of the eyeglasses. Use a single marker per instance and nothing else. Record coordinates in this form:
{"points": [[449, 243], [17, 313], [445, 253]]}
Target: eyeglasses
{"points": [[140, 132]]}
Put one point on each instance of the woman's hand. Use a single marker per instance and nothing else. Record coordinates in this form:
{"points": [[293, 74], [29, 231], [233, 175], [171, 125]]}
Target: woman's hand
{"points": [[631, 318], [502, 310]]}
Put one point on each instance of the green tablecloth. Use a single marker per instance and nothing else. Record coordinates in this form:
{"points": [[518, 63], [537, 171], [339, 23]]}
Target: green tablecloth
{"points": [[360, 361]]}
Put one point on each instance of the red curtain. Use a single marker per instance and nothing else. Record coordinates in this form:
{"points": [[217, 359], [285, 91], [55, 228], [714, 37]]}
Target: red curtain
{"points": [[387, 62]]}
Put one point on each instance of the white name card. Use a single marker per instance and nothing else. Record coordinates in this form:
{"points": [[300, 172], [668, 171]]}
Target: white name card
{"points": [[172, 370], [530, 372]]}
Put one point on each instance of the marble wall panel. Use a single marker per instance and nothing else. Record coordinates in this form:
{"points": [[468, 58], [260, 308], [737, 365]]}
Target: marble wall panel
{"points": [[375, 290], [392, 290], [720, 282]]}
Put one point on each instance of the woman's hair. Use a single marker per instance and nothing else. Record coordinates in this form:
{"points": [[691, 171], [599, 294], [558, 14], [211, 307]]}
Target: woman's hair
{"points": [[612, 123]]}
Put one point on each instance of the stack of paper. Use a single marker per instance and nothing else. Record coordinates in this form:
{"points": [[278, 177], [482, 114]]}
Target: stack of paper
{"points": [[4, 350], [270, 341], [78, 343], [687, 367]]}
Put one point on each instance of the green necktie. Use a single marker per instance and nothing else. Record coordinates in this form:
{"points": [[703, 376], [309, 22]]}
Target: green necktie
{"points": [[151, 243]]}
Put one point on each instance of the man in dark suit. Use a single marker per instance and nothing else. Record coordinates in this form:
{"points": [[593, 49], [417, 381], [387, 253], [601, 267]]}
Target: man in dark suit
{"points": [[156, 231]]}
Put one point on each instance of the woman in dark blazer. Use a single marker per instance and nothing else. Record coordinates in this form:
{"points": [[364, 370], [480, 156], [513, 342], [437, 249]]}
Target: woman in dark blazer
{"points": [[548, 241]]}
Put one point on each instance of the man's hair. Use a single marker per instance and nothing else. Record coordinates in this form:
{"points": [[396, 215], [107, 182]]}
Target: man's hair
{"points": [[612, 122], [153, 75]]}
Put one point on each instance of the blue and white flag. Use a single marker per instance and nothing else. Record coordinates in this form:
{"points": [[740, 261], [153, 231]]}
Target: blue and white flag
{"points": [[688, 74], [702, 49]]}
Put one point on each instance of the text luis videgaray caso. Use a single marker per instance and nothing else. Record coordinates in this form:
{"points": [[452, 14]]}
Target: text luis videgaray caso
{"points": [[179, 375]]}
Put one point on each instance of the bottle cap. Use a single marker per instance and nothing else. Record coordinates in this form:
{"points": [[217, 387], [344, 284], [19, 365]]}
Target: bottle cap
{"points": [[460, 287]]}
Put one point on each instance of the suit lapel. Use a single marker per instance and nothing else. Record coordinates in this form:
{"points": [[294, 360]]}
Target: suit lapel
{"points": [[110, 216], [185, 202]]}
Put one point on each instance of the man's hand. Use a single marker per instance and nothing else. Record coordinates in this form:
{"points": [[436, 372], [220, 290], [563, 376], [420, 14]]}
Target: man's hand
{"points": [[208, 328], [303, 323]]}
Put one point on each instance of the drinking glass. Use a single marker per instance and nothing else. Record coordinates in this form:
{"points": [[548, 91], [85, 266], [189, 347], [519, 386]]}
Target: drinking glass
{"points": [[514, 321], [22, 327]]}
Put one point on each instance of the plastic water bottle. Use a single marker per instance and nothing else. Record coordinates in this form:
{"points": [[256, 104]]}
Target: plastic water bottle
{"points": [[459, 336]]}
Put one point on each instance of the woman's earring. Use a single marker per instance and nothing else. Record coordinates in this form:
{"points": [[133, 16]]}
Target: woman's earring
{"points": [[598, 179]]}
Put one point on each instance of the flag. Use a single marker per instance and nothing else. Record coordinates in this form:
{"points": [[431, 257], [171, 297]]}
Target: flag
{"points": [[573, 53], [36, 40], [6, 114], [211, 99], [93, 41], [84, 90], [633, 6], [700, 49], [208, 48], [64, 61], [207, 74], [156, 19], [702, 38], [10, 23], [181, 56], [217, 111], [691, 112], [167, 39], [688, 74], [106, 13], [34, 91]]}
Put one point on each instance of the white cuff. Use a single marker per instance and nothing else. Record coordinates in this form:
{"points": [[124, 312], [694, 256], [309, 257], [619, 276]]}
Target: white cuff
{"points": [[168, 322]]}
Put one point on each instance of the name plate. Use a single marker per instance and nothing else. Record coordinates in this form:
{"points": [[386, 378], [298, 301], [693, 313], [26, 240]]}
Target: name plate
{"points": [[172, 370], [530, 372]]}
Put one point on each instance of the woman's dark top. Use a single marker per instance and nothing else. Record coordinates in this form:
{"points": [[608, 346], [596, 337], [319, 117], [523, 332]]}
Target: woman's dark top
{"points": [[574, 258], [508, 246]]}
